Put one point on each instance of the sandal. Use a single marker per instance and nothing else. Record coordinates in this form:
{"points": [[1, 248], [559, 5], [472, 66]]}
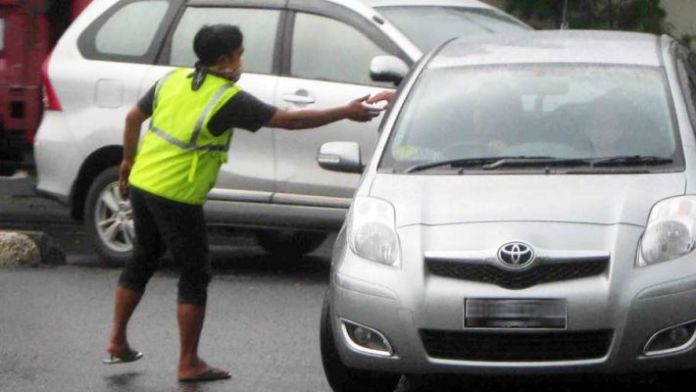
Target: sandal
{"points": [[211, 374], [124, 356]]}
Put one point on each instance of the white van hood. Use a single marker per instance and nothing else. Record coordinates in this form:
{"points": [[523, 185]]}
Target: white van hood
{"points": [[594, 199]]}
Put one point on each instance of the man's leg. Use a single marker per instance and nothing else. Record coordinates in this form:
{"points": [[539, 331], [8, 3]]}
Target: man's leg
{"points": [[147, 249], [190, 318], [126, 300], [184, 233]]}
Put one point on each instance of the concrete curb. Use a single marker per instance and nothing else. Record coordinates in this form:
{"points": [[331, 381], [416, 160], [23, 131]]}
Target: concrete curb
{"points": [[50, 253]]}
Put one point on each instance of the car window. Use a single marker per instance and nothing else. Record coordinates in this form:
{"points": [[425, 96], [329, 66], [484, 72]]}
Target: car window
{"points": [[130, 30], [429, 26], [327, 49], [2, 36], [562, 111], [258, 26]]}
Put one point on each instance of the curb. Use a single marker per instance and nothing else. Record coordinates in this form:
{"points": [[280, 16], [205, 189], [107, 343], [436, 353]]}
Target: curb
{"points": [[50, 252]]}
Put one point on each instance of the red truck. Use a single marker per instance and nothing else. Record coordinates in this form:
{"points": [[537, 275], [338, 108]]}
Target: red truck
{"points": [[28, 31]]}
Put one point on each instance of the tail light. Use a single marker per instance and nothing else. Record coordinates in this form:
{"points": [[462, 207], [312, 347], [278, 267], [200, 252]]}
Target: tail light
{"points": [[50, 98]]}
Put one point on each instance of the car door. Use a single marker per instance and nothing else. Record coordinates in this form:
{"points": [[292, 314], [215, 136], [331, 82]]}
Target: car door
{"points": [[327, 64], [249, 173]]}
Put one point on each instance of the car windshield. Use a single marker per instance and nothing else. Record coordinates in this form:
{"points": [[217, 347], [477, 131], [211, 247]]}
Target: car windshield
{"points": [[428, 26], [533, 115]]}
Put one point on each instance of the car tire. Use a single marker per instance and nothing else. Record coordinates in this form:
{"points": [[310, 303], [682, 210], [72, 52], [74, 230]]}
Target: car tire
{"points": [[289, 244], [340, 377], [108, 219]]}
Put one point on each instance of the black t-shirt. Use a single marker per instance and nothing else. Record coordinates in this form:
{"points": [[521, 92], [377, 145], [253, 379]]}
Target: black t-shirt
{"points": [[241, 111]]}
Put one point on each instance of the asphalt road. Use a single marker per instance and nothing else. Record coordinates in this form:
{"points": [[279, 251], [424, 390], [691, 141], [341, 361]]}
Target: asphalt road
{"points": [[262, 321]]}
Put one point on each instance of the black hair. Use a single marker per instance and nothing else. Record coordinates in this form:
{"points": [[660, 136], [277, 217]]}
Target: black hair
{"points": [[213, 41]]}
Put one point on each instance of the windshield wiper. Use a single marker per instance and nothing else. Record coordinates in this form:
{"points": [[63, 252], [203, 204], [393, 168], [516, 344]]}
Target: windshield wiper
{"points": [[488, 162], [492, 163], [538, 161], [631, 160]]}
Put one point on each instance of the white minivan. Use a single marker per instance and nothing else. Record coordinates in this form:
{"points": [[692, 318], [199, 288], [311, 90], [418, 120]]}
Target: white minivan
{"points": [[299, 54]]}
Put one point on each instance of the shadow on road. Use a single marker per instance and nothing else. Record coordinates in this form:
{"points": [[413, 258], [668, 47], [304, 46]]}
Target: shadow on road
{"points": [[121, 382]]}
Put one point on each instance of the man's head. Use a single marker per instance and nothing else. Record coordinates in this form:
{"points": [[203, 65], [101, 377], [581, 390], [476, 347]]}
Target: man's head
{"points": [[220, 47]]}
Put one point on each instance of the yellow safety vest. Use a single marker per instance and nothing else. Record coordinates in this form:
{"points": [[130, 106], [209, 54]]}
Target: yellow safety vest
{"points": [[178, 157]]}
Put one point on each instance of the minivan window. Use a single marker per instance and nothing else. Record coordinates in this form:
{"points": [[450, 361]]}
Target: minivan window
{"points": [[429, 26], [327, 49], [258, 26], [130, 30], [583, 112]]}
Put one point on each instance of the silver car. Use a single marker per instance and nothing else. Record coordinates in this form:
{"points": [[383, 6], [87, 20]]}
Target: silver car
{"points": [[530, 208], [299, 54]]}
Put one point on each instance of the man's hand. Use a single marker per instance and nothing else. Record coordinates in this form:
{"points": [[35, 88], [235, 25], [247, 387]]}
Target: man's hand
{"points": [[356, 111], [383, 96], [123, 175]]}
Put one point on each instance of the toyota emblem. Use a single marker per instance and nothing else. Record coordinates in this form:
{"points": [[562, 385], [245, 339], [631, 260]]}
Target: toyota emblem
{"points": [[516, 255]]}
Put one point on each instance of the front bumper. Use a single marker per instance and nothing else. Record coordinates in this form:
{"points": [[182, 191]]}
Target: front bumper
{"points": [[633, 303]]}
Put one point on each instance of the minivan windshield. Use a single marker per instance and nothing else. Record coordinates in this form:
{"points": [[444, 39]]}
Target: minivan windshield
{"points": [[517, 116], [428, 26]]}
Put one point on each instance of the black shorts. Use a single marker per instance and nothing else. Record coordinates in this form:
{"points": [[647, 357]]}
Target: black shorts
{"points": [[162, 224]]}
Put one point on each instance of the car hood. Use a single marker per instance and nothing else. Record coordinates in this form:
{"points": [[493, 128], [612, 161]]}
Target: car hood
{"points": [[593, 199]]}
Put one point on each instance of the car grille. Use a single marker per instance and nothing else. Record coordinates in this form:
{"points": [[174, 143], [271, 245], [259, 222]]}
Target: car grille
{"points": [[518, 346], [543, 273]]}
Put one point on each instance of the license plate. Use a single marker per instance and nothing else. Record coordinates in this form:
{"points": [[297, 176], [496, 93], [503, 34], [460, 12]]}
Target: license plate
{"points": [[515, 313]]}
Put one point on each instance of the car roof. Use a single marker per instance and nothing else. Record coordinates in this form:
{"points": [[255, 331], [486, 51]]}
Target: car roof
{"points": [[558, 46], [451, 3]]}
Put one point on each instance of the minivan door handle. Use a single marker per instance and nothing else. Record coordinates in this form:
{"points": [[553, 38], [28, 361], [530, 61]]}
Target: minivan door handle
{"points": [[299, 97]]}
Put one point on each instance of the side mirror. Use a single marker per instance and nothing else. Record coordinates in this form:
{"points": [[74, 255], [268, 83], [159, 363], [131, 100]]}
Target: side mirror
{"points": [[388, 69], [340, 157]]}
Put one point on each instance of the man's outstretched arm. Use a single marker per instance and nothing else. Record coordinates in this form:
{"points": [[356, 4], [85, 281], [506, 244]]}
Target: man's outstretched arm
{"points": [[306, 119]]}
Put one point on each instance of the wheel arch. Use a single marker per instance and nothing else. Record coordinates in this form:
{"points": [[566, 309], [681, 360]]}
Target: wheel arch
{"points": [[98, 161]]}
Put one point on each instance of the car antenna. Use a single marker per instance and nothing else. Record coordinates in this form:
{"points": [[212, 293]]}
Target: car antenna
{"points": [[564, 23]]}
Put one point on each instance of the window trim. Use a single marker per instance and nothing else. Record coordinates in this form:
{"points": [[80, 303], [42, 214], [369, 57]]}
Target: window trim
{"points": [[165, 54], [686, 76], [86, 42]]}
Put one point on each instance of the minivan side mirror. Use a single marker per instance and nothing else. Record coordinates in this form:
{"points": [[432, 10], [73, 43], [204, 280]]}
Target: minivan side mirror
{"points": [[388, 69], [341, 157]]}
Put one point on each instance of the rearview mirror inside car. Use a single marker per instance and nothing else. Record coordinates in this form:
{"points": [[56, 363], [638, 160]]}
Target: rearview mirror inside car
{"points": [[388, 69]]}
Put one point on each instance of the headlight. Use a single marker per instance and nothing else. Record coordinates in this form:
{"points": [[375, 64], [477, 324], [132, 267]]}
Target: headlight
{"points": [[372, 232], [670, 231]]}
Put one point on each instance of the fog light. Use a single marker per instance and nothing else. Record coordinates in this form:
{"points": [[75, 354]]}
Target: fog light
{"points": [[366, 340], [672, 340]]}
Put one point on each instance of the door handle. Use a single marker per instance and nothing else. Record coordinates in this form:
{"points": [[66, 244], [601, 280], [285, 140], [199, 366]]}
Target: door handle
{"points": [[300, 97]]}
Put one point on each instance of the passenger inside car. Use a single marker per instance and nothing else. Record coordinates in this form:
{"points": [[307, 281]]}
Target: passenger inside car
{"points": [[616, 126]]}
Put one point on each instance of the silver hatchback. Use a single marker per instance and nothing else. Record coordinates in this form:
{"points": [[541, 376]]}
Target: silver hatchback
{"points": [[530, 208]]}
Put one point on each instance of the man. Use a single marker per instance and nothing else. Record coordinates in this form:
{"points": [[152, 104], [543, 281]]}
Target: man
{"points": [[193, 114]]}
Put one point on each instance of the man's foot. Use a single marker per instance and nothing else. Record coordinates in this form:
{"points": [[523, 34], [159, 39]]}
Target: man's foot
{"points": [[202, 372], [121, 354]]}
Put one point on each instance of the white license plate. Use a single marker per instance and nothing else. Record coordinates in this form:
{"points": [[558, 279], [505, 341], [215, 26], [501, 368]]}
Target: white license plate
{"points": [[515, 313]]}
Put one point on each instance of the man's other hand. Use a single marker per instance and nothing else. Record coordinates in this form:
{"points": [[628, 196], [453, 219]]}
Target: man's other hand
{"points": [[123, 175], [356, 111]]}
